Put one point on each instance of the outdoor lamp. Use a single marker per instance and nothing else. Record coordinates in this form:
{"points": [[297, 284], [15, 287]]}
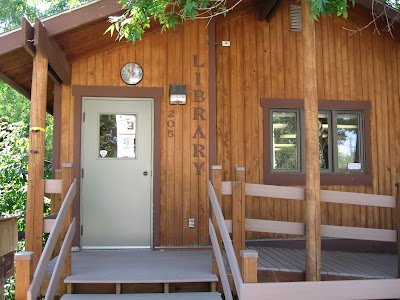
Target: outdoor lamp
{"points": [[177, 94]]}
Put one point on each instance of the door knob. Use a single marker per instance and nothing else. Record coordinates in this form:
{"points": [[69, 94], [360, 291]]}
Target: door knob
{"points": [[145, 173]]}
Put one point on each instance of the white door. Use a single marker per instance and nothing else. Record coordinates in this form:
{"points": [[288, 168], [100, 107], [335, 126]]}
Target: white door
{"points": [[116, 187]]}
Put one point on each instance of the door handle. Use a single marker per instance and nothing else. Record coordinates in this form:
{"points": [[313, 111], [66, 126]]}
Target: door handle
{"points": [[145, 173]]}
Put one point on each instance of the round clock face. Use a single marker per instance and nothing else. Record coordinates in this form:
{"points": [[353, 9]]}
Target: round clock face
{"points": [[131, 73]]}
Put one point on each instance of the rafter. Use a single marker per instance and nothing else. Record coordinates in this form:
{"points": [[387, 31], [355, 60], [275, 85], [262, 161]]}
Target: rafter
{"points": [[15, 85], [268, 9]]}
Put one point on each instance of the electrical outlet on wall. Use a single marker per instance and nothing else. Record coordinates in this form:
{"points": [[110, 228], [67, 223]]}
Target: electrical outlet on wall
{"points": [[191, 223]]}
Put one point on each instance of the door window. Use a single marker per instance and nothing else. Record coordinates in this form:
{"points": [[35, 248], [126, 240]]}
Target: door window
{"points": [[117, 138]]}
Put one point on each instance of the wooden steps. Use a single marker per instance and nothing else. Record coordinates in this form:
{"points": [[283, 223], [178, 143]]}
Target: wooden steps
{"points": [[132, 273], [160, 296]]}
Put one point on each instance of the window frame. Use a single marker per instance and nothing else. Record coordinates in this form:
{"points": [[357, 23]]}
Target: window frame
{"points": [[330, 177]]}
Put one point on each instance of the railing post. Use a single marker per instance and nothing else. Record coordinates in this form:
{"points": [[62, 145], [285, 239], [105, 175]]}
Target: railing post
{"points": [[23, 274], [216, 179], [249, 265], [67, 177], [398, 229], [55, 208], [238, 213], [56, 198]]}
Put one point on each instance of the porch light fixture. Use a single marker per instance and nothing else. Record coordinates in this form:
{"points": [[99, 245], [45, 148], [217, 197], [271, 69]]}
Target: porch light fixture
{"points": [[177, 94]]}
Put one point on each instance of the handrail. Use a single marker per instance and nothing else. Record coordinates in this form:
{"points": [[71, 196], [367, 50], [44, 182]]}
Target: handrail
{"points": [[298, 193], [44, 260], [55, 277], [237, 277], [220, 262]]}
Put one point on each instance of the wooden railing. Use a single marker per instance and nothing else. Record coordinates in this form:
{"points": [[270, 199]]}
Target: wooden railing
{"points": [[291, 193], [237, 278], [40, 271], [354, 289], [8, 245]]}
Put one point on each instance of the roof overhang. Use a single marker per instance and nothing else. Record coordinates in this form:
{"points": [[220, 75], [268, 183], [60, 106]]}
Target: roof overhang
{"points": [[78, 33], [63, 37]]}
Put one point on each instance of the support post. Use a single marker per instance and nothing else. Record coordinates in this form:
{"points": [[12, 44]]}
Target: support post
{"points": [[67, 175], [313, 210], [398, 228], [35, 195], [249, 265], [23, 274], [238, 213], [216, 179]]}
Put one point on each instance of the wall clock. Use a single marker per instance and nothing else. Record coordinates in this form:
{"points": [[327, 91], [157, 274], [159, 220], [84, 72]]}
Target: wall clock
{"points": [[131, 73]]}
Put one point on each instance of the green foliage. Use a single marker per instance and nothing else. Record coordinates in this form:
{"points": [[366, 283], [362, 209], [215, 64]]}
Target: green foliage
{"points": [[108, 134], [140, 13], [329, 7], [13, 168], [11, 11], [15, 108]]}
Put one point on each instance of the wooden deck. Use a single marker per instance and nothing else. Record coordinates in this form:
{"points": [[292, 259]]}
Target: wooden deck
{"points": [[334, 263]]}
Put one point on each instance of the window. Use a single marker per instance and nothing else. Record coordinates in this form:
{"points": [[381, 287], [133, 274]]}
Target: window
{"points": [[344, 156], [117, 136], [285, 142]]}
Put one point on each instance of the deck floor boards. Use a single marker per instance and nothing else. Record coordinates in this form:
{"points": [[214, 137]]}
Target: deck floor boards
{"points": [[351, 264], [140, 266]]}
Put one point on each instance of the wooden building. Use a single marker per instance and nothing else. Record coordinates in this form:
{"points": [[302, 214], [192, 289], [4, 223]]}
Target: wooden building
{"points": [[142, 164]]}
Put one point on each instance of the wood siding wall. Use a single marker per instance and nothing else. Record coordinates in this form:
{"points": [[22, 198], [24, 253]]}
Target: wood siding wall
{"points": [[265, 61], [166, 59]]}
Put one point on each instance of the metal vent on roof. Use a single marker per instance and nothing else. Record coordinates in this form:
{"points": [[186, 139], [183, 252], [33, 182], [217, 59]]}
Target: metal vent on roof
{"points": [[295, 17]]}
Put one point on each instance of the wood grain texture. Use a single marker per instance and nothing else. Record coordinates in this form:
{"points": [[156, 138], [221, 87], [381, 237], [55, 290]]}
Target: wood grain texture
{"points": [[23, 274], [8, 235], [263, 61], [347, 68], [35, 193], [166, 59]]}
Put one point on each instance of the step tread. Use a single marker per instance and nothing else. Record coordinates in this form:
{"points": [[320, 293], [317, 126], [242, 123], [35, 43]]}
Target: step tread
{"points": [[141, 278], [141, 267], [160, 296]]}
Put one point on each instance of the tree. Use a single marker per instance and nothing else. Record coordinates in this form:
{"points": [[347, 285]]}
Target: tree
{"points": [[168, 13], [11, 11]]}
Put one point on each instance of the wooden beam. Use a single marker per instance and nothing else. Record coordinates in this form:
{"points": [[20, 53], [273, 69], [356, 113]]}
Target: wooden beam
{"points": [[313, 207], [27, 36], [15, 85], [23, 274], [398, 228], [35, 198], [52, 51], [249, 265], [268, 9]]}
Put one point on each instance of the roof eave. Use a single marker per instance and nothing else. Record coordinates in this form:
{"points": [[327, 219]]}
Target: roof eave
{"points": [[64, 21]]}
